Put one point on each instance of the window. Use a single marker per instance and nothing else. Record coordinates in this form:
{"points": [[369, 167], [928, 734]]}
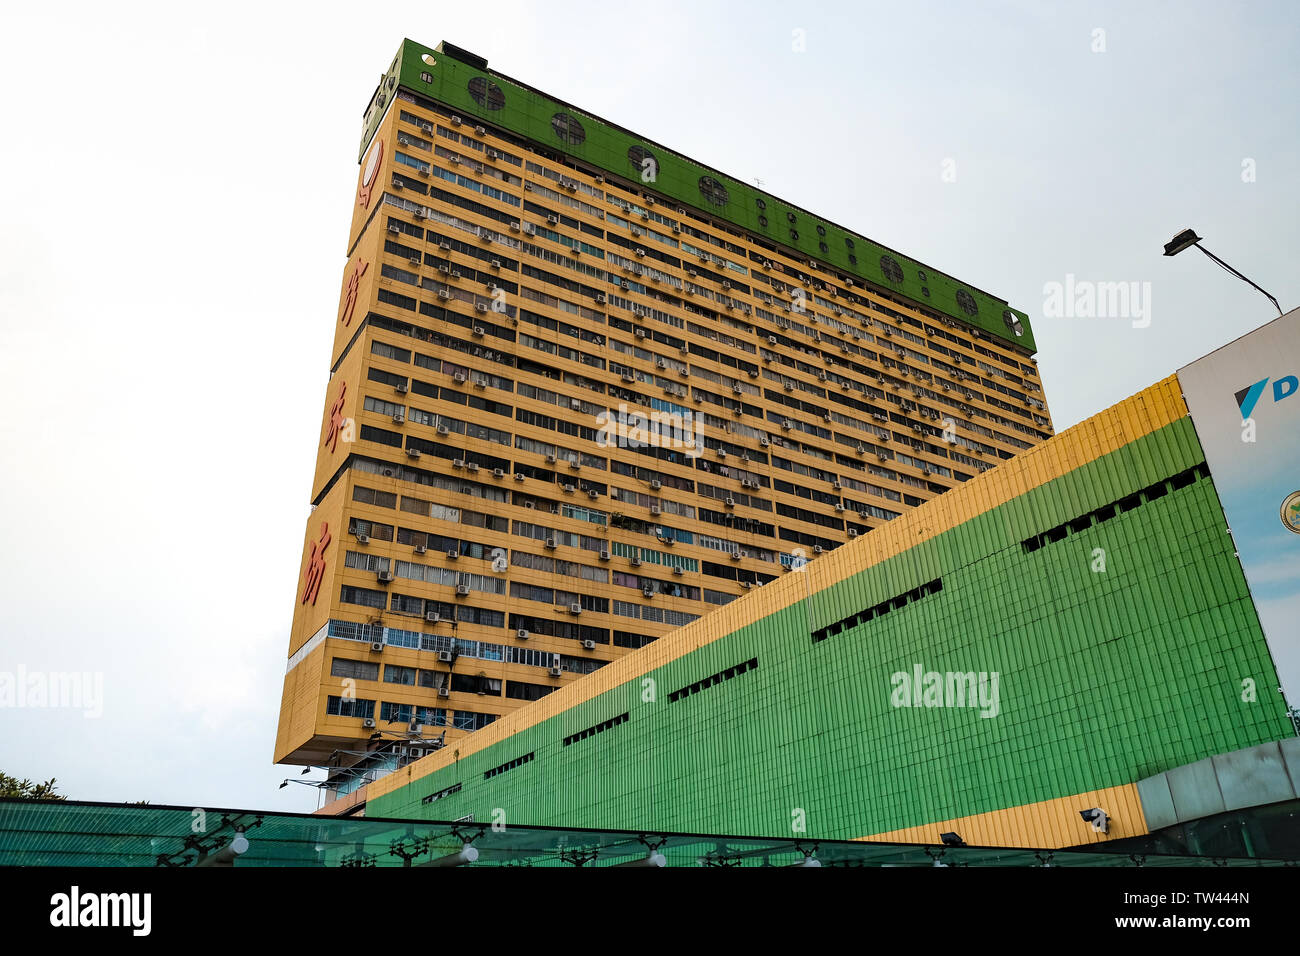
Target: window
{"points": [[714, 193], [486, 93], [349, 707], [568, 129], [393, 674], [396, 713], [644, 162], [357, 670]]}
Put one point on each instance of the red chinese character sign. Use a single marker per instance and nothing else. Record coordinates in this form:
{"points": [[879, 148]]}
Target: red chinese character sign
{"points": [[370, 176], [337, 425], [315, 572], [352, 290]]}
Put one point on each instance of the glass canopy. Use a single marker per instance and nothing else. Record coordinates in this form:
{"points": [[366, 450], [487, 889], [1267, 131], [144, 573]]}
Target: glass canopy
{"points": [[81, 834]]}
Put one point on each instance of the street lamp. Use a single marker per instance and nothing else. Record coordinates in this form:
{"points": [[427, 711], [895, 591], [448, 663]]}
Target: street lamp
{"points": [[1188, 237]]}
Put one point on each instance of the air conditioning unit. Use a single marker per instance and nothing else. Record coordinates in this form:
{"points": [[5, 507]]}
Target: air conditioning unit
{"points": [[471, 465], [737, 389], [553, 220], [634, 561], [363, 538], [730, 502], [413, 453], [445, 657], [787, 424], [550, 459], [570, 489], [444, 691], [462, 590], [444, 294], [480, 130], [384, 577], [458, 463], [764, 442], [593, 494], [401, 388], [746, 585], [520, 476], [575, 608], [419, 549], [735, 556], [589, 645], [753, 373], [459, 378], [555, 670], [655, 510], [836, 484], [853, 533], [368, 723], [550, 543], [641, 333], [443, 430], [839, 506], [575, 464], [399, 418], [604, 554], [453, 554], [818, 549]]}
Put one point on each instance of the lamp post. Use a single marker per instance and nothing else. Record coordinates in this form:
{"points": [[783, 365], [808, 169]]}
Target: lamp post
{"points": [[1188, 237]]}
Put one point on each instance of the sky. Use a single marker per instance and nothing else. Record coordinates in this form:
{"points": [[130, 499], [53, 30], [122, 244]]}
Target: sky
{"points": [[173, 236]]}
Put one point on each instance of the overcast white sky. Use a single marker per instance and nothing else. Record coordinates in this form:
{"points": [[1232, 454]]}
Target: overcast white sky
{"points": [[172, 232]]}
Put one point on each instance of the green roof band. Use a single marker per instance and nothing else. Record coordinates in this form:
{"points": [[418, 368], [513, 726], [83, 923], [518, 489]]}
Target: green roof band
{"points": [[455, 78]]}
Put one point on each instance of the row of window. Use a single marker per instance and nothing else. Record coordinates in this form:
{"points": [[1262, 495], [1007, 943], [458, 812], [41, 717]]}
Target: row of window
{"points": [[640, 158], [800, 298]]}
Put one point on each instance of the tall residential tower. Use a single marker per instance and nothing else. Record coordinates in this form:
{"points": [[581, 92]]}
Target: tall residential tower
{"points": [[583, 390]]}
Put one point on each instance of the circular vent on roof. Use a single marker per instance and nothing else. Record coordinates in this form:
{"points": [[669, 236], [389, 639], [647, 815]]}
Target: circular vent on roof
{"points": [[1013, 322], [890, 268], [713, 191], [967, 302], [486, 93], [568, 129], [644, 162]]}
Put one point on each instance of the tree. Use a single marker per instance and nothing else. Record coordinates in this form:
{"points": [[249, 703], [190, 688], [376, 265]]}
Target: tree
{"points": [[26, 790]]}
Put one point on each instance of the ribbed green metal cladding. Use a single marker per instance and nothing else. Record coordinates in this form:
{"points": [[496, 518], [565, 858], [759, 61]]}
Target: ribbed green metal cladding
{"points": [[1105, 678], [528, 114]]}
